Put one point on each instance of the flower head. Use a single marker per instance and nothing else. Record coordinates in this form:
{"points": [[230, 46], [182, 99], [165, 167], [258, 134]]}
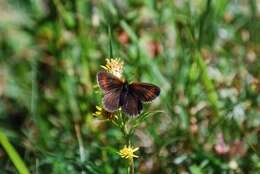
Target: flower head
{"points": [[221, 147], [123, 38], [154, 48], [114, 66], [128, 152], [102, 113]]}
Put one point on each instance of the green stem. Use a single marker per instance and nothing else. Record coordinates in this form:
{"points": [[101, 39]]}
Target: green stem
{"points": [[81, 146], [253, 8], [14, 156], [211, 92], [203, 18], [128, 170], [127, 136], [110, 42], [34, 90]]}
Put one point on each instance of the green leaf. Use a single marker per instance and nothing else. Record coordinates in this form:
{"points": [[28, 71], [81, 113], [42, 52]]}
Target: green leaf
{"points": [[196, 169]]}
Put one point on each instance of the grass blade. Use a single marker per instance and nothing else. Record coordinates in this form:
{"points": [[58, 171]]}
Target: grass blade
{"points": [[14, 156]]}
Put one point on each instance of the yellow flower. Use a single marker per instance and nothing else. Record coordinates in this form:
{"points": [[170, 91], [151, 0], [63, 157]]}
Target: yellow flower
{"points": [[128, 152], [114, 66], [102, 113]]}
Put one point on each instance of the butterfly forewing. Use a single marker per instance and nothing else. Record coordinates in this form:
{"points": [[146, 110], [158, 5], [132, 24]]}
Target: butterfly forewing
{"points": [[112, 87], [132, 105], [108, 82], [146, 92]]}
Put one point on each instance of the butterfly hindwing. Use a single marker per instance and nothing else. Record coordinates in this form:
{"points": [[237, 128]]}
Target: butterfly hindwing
{"points": [[132, 105], [146, 92], [108, 82], [110, 100]]}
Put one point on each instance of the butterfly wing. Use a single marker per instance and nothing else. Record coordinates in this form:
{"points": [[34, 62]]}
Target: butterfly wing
{"points": [[146, 92], [110, 100], [112, 87], [132, 105], [108, 81]]}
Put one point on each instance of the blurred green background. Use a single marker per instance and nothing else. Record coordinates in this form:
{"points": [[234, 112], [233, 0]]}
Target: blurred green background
{"points": [[204, 54]]}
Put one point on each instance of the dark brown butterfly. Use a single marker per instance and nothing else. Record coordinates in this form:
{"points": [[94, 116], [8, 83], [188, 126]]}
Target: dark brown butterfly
{"points": [[122, 94]]}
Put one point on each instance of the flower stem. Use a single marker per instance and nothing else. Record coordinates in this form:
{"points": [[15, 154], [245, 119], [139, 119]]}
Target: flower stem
{"points": [[110, 42], [132, 167], [127, 136]]}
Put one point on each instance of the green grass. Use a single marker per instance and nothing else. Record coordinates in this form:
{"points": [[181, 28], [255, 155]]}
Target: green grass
{"points": [[204, 55]]}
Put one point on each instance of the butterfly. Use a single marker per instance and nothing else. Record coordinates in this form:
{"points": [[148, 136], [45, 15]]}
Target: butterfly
{"points": [[129, 97]]}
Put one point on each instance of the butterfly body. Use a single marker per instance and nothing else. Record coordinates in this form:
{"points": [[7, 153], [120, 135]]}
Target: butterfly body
{"points": [[124, 93], [120, 93], [125, 86]]}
